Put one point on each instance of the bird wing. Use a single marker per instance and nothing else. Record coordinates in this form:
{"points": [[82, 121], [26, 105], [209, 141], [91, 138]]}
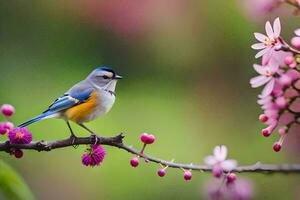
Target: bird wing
{"points": [[69, 100]]}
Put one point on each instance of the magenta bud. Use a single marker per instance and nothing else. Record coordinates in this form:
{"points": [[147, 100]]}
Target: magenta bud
{"points": [[134, 162], [276, 147], [295, 41], [147, 139], [217, 171], [263, 118], [151, 139], [288, 60], [161, 172], [7, 110], [18, 153], [187, 175], [8, 125], [231, 177], [3, 130], [144, 137], [266, 132]]}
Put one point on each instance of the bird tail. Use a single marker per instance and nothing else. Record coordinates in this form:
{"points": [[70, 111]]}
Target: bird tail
{"points": [[40, 117]]}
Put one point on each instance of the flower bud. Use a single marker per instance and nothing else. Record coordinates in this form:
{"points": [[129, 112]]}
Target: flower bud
{"points": [[161, 172], [296, 42], [276, 147], [18, 153], [231, 177], [187, 175], [7, 110], [134, 162]]}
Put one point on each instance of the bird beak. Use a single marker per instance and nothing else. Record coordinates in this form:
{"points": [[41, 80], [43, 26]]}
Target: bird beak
{"points": [[118, 77]]}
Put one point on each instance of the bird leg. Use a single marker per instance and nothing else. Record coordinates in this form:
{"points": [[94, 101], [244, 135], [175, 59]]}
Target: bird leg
{"points": [[73, 136], [93, 134]]}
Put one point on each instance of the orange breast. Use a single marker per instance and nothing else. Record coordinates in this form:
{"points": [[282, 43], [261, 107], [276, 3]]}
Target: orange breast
{"points": [[81, 112]]}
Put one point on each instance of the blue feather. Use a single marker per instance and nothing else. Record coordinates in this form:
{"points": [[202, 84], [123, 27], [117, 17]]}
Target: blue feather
{"points": [[60, 104]]}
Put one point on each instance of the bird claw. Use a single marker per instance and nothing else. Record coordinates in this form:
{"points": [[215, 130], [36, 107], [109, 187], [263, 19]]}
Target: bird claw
{"points": [[73, 137], [95, 137]]}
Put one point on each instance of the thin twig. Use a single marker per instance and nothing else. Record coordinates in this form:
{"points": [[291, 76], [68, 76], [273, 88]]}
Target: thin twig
{"points": [[117, 141]]}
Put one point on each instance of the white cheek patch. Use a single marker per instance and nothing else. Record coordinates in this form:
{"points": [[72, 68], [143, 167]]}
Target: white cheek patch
{"points": [[108, 74]]}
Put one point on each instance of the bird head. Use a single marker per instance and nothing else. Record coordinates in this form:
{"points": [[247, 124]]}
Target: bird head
{"points": [[104, 77]]}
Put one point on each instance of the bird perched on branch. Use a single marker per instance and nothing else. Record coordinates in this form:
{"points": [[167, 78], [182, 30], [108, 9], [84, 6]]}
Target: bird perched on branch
{"points": [[85, 101]]}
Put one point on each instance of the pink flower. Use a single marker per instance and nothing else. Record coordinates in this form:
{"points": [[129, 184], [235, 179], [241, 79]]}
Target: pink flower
{"points": [[270, 42], [94, 156], [266, 77], [241, 189], [219, 162], [19, 136]]}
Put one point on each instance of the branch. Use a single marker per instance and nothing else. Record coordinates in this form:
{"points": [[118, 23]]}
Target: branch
{"points": [[117, 141]]}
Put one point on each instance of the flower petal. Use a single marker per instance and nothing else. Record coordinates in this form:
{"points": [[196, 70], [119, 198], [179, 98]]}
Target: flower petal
{"points": [[258, 46], [263, 52], [297, 32], [220, 153], [259, 81], [268, 88], [277, 27], [269, 30], [259, 69], [210, 160], [260, 37], [228, 165]]}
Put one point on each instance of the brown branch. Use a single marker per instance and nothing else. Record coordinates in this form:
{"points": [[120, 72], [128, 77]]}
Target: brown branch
{"points": [[117, 141]]}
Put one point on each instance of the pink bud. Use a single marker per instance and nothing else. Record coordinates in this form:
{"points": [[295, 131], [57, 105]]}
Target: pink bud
{"points": [[3, 130], [7, 110], [282, 131], [263, 118], [18, 153], [296, 42], [147, 139], [293, 65], [151, 139], [276, 147], [231, 178], [144, 137], [187, 175], [8, 125], [161, 172], [217, 171], [134, 162], [281, 102], [285, 80], [266, 132], [288, 60]]}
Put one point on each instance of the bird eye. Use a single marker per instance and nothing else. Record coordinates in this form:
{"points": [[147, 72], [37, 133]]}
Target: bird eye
{"points": [[105, 77]]}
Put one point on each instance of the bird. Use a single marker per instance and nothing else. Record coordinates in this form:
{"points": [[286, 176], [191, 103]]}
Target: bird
{"points": [[85, 101]]}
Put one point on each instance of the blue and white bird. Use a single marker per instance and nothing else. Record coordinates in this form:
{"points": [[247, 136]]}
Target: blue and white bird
{"points": [[85, 101]]}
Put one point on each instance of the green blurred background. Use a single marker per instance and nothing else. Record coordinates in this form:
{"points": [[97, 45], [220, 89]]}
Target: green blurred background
{"points": [[186, 67]]}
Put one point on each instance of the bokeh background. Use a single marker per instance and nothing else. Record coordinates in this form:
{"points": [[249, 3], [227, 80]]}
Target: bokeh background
{"points": [[186, 66]]}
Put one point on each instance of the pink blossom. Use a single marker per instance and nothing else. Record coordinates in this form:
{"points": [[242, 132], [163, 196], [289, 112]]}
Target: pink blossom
{"points": [[94, 156], [270, 42], [218, 161], [19, 136], [266, 77], [241, 189]]}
